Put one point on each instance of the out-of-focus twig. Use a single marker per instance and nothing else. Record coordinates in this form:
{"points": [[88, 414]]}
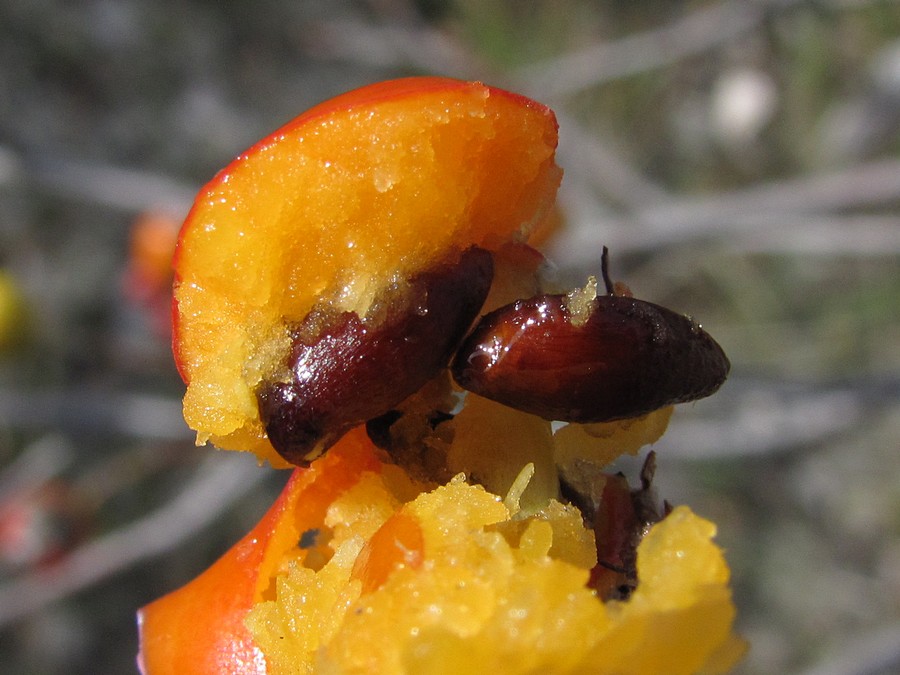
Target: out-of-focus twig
{"points": [[855, 235], [861, 186], [125, 468], [217, 484], [771, 233], [693, 34], [585, 156], [395, 46], [36, 464], [104, 184], [874, 652], [113, 412], [754, 417], [750, 212]]}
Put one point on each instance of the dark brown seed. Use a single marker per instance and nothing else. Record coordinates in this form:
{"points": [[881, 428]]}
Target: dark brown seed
{"points": [[378, 429], [622, 519], [627, 358], [345, 371]]}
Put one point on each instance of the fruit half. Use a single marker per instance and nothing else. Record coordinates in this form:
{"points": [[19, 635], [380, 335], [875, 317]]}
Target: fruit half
{"points": [[353, 197]]}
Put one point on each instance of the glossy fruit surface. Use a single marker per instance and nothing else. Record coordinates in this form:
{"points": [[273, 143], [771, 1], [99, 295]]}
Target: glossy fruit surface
{"points": [[625, 358], [345, 371], [359, 193]]}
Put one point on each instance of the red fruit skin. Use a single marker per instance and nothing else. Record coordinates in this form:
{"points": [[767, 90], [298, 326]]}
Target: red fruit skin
{"points": [[199, 628]]}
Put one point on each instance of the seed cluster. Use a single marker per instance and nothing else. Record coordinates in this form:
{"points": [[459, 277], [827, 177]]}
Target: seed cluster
{"points": [[621, 358]]}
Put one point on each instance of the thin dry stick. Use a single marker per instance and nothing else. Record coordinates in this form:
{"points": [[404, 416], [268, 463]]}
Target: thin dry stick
{"points": [[218, 483], [130, 414], [875, 651], [393, 46], [876, 183], [855, 235], [587, 157], [751, 212], [111, 186], [758, 419], [694, 34], [41, 461]]}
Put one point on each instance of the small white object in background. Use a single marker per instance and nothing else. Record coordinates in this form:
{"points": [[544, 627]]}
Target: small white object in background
{"points": [[743, 102]]}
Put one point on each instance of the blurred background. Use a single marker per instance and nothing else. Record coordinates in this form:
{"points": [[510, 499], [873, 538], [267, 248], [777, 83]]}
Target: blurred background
{"points": [[741, 158]]}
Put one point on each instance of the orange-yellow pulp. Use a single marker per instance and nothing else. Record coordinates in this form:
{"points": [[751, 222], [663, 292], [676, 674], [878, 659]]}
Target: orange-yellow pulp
{"points": [[361, 566], [335, 208]]}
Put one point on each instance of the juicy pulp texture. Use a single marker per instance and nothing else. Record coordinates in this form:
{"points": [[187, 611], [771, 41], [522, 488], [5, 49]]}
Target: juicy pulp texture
{"points": [[394, 576], [199, 628], [352, 197]]}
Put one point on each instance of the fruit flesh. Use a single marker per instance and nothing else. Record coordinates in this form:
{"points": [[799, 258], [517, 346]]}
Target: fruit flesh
{"points": [[199, 628], [359, 567], [434, 580], [355, 195]]}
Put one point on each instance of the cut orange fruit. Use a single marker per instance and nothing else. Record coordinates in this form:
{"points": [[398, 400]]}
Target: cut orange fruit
{"points": [[351, 198]]}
